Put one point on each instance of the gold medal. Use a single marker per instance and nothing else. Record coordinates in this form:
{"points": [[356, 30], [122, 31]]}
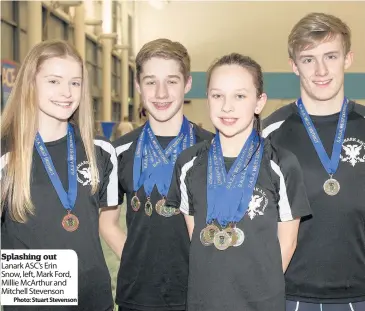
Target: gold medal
{"points": [[209, 232], [331, 186], [240, 237], [203, 240], [159, 205], [148, 208], [135, 203], [70, 222], [222, 240], [164, 210]]}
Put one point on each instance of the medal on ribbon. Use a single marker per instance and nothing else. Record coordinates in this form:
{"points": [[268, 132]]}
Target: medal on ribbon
{"points": [[153, 166], [229, 193], [331, 186], [70, 222]]}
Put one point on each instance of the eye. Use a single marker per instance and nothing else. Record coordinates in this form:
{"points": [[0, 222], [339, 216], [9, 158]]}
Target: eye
{"points": [[332, 56], [216, 96], [53, 81], [76, 83], [307, 60], [240, 96], [150, 82], [172, 82]]}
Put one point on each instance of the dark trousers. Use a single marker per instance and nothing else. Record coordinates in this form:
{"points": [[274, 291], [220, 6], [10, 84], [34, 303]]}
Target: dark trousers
{"points": [[304, 306], [125, 309]]}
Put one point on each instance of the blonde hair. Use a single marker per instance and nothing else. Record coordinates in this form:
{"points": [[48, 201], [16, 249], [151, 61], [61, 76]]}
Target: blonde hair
{"points": [[316, 28], [166, 49], [20, 125]]}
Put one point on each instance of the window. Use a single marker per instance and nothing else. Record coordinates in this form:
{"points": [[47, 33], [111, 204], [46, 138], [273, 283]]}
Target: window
{"points": [[56, 28], [116, 111], [71, 34], [92, 63], [115, 70], [7, 35], [131, 82], [130, 34], [13, 30], [8, 10]]}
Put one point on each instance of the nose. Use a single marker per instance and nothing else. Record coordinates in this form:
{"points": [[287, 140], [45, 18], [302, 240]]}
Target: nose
{"points": [[66, 90], [161, 90], [321, 68], [227, 106]]}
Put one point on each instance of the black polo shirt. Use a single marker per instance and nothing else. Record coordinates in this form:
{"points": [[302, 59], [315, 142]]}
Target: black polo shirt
{"points": [[44, 229], [154, 266], [249, 277], [329, 263]]}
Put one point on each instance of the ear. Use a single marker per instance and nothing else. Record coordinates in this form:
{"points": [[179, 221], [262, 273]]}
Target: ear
{"points": [[188, 85], [349, 58], [293, 66], [138, 87], [261, 103]]}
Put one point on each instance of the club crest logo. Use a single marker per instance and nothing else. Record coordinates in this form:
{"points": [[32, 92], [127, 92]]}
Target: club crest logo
{"points": [[257, 204], [84, 173], [353, 151]]}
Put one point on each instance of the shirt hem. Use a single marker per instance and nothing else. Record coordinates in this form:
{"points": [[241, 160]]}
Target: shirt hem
{"points": [[325, 300]]}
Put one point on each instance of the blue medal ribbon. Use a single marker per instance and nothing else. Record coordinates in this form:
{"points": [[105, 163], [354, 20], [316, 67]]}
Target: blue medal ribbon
{"points": [[330, 165], [152, 164], [229, 194], [67, 199]]}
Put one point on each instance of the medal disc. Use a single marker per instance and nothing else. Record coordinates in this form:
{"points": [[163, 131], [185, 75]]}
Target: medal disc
{"points": [[203, 240], [159, 205], [209, 232], [232, 233], [148, 208], [240, 237], [70, 222], [135, 203], [331, 186], [222, 240]]}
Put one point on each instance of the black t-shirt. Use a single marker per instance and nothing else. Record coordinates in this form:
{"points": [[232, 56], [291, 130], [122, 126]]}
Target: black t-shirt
{"points": [[44, 229], [248, 277], [154, 266], [329, 262]]}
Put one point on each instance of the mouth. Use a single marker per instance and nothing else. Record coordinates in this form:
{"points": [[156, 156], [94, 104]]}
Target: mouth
{"points": [[67, 104], [228, 121], [162, 105], [322, 84]]}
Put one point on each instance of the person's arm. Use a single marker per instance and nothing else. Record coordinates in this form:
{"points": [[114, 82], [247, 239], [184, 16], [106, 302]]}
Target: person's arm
{"points": [[292, 201], [288, 234], [111, 195], [110, 229], [190, 224]]}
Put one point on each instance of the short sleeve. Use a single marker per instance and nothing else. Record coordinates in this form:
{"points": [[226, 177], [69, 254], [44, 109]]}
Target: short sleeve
{"points": [[293, 201], [179, 194], [108, 173], [120, 152]]}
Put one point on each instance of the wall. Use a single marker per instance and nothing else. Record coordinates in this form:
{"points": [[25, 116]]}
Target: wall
{"points": [[210, 29]]}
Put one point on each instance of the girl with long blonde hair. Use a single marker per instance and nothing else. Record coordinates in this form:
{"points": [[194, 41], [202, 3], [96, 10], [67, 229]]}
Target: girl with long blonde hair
{"points": [[54, 175]]}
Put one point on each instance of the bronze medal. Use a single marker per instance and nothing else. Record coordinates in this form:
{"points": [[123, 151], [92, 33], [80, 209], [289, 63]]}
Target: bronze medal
{"points": [[240, 237], [167, 211], [159, 205], [70, 222], [331, 186], [148, 208], [209, 232], [135, 203], [222, 240]]}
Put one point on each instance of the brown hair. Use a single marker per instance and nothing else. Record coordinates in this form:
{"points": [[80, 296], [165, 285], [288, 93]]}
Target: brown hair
{"points": [[316, 28], [251, 66], [166, 49], [20, 124]]}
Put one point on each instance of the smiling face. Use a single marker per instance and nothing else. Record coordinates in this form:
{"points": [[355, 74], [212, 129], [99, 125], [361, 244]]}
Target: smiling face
{"points": [[233, 99], [59, 85], [162, 87], [321, 70]]}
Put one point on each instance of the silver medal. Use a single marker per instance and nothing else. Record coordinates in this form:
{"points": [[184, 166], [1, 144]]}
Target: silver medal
{"points": [[240, 237], [331, 186]]}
